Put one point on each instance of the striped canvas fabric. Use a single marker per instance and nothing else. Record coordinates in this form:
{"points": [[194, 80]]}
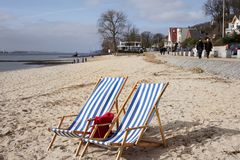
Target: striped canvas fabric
{"points": [[136, 115], [97, 104]]}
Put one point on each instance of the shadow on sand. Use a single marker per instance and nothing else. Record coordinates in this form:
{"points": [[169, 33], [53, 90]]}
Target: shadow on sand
{"points": [[175, 140]]}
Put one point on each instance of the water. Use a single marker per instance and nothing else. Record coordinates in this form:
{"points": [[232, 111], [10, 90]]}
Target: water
{"points": [[25, 60]]}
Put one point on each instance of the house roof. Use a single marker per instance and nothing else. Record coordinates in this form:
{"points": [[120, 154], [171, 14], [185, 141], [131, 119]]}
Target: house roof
{"points": [[195, 34], [235, 18]]}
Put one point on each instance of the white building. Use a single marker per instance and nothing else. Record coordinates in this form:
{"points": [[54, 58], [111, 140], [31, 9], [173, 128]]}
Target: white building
{"points": [[234, 26], [179, 35], [130, 47]]}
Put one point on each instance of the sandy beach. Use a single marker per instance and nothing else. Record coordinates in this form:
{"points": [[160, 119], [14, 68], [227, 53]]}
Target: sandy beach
{"points": [[200, 112]]}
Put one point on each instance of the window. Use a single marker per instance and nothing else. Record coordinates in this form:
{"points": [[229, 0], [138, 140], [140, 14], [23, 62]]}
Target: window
{"points": [[238, 26]]}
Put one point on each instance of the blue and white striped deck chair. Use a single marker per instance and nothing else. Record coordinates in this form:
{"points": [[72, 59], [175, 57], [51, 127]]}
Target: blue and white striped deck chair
{"points": [[103, 98], [138, 115]]}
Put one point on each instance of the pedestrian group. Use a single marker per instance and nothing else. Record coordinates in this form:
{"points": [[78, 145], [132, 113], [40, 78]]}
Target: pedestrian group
{"points": [[201, 46]]}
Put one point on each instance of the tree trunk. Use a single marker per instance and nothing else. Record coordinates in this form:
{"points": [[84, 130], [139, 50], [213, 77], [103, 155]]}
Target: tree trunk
{"points": [[115, 45]]}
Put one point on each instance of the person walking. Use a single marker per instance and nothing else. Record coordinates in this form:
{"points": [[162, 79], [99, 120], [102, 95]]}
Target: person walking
{"points": [[199, 48], [208, 47]]}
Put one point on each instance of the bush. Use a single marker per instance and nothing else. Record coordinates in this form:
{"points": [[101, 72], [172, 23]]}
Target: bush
{"points": [[232, 38], [219, 42], [189, 43]]}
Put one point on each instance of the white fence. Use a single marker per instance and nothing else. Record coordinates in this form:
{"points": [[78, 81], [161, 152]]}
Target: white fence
{"points": [[217, 51], [221, 51]]}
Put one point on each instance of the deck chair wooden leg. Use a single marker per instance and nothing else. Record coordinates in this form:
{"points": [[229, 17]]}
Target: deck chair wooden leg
{"points": [[81, 142], [79, 148], [51, 143], [84, 150], [120, 150], [55, 135], [161, 128]]}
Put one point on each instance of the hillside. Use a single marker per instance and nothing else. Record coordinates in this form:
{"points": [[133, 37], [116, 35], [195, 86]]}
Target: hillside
{"points": [[209, 29]]}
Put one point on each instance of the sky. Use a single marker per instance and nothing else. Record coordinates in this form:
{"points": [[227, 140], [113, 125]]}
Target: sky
{"points": [[71, 25]]}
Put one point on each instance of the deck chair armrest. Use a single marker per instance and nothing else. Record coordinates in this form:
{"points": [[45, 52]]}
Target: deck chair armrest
{"points": [[97, 139], [134, 128], [100, 125], [62, 119], [81, 132], [91, 119], [126, 133], [67, 116]]}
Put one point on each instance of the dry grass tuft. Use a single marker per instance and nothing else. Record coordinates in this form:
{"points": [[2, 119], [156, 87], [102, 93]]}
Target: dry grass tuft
{"points": [[152, 58], [144, 81], [197, 70]]}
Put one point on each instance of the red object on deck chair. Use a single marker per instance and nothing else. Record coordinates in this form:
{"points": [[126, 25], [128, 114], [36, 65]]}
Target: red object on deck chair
{"points": [[102, 130]]}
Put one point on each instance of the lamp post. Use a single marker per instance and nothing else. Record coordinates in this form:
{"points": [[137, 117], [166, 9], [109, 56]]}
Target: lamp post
{"points": [[223, 19]]}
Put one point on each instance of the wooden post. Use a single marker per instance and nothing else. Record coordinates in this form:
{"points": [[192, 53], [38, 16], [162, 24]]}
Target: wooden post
{"points": [[112, 106], [126, 77], [238, 53], [51, 143], [81, 142], [84, 150], [120, 150], [55, 135], [87, 144], [97, 83], [160, 127], [117, 112]]}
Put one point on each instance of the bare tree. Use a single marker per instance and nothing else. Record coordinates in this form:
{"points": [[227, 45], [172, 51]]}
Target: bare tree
{"points": [[147, 38], [235, 7], [131, 33], [111, 25], [106, 44], [158, 40], [214, 8]]}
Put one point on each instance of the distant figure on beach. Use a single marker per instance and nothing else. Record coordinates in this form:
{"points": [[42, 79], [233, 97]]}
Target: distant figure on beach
{"points": [[168, 50], [199, 48], [75, 55], [175, 47], [163, 50], [208, 47]]}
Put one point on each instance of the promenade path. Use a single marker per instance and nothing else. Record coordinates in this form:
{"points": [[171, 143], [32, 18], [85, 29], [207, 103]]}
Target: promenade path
{"points": [[226, 67]]}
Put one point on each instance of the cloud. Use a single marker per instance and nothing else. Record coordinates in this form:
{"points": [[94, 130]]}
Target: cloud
{"points": [[70, 29], [4, 16], [177, 17], [56, 12], [50, 36], [96, 2], [177, 11]]}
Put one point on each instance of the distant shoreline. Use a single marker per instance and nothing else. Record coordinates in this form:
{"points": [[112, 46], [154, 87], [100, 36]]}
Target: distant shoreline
{"points": [[25, 61]]}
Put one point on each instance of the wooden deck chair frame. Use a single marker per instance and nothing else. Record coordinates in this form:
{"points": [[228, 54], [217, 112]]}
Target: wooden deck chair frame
{"points": [[140, 142], [84, 133]]}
